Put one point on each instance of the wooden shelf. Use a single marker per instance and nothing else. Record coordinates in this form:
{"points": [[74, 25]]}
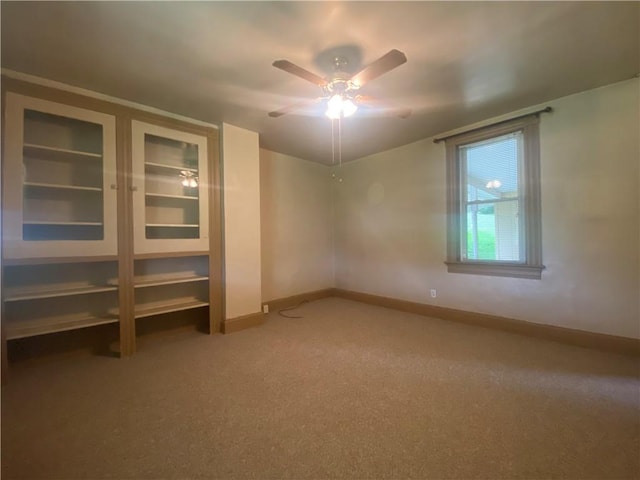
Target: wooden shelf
{"points": [[172, 225], [78, 224], [147, 256], [157, 309], [170, 167], [175, 197], [165, 281], [170, 281], [61, 187], [12, 262], [40, 326], [60, 153], [18, 296]]}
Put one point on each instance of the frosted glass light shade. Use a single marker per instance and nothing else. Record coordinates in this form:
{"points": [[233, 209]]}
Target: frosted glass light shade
{"points": [[337, 107]]}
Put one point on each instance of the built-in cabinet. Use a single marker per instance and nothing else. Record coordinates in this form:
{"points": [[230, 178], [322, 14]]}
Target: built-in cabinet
{"points": [[106, 217], [170, 190], [60, 180]]}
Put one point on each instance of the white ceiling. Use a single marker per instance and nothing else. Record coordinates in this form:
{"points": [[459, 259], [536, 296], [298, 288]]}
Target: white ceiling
{"points": [[211, 61]]}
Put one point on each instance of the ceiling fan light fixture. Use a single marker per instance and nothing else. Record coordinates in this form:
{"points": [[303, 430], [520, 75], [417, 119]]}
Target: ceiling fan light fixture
{"points": [[338, 106], [341, 86], [348, 108], [334, 107]]}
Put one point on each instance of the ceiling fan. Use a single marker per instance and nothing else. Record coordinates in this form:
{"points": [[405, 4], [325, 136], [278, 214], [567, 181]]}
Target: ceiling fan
{"points": [[340, 89]]}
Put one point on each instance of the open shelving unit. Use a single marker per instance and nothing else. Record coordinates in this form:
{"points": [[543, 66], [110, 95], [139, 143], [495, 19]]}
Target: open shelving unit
{"points": [[54, 297], [170, 284]]}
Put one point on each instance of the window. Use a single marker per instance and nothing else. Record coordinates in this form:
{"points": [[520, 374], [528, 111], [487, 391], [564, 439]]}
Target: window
{"points": [[493, 188]]}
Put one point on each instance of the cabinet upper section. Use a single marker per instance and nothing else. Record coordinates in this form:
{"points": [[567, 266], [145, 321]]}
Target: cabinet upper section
{"points": [[170, 190], [68, 187], [59, 180]]}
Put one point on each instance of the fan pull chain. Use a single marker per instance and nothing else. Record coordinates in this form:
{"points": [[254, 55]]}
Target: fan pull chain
{"points": [[340, 141], [333, 144]]}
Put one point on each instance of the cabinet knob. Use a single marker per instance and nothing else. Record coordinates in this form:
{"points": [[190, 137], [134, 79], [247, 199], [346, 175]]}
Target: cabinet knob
{"points": [[114, 186], [133, 188]]}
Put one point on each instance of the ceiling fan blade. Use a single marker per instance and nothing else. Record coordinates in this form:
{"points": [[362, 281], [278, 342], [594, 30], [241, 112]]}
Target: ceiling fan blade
{"points": [[293, 69], [387, 62], [293, 107], [370, 101]]}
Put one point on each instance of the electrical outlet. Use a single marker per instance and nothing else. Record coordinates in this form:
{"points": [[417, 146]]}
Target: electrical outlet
{"points": [[433, 292], [265, 308]]}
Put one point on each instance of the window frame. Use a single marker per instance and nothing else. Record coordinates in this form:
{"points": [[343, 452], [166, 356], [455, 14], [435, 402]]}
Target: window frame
{"points": [[529, 193]]}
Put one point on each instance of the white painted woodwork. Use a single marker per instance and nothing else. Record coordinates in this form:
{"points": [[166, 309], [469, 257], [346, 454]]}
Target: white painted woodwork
{"points": [[40, 184], [161, 204], [243, 282]]}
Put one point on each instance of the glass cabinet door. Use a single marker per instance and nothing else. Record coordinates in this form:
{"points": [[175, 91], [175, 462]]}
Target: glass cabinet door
{"points": [[170, 183], [59, 180]]}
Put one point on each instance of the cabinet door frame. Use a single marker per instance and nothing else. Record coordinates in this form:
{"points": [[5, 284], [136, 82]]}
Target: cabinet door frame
{"points": [[14, 246], [141, 244]]}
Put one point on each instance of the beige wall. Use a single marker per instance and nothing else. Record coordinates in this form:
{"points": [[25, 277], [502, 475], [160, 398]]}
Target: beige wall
{"points": [[297, 226], [241, 164], [390, 229]]}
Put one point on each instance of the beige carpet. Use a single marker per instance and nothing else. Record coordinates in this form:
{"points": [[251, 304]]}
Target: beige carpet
{"points": [[349, 391]]}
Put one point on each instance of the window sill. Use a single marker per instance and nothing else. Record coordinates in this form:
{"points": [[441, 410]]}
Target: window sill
{"points": [[497, 269]]}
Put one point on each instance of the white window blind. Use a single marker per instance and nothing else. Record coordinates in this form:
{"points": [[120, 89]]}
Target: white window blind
{"points": [[491, 221]]}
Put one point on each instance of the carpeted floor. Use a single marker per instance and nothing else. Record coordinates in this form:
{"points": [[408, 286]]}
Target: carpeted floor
{"points": [[349, 391]]}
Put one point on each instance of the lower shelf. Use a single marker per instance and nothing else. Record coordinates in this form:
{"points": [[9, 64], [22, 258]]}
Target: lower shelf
{"points": [[40, 326], [17, 295], [159, 308]]}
